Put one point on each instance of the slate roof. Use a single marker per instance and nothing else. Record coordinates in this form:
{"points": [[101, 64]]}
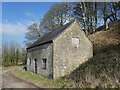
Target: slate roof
{"points": [[49, 37]]}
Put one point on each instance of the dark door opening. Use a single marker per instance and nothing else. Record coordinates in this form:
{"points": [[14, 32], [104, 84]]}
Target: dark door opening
{"points": [[35, 65], [44, 64]]}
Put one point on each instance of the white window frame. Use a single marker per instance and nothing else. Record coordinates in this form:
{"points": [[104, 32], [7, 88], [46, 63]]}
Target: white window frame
{"points": [[75, 42]]}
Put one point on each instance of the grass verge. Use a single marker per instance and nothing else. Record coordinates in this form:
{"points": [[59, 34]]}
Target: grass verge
{"points": [[36, 79]]}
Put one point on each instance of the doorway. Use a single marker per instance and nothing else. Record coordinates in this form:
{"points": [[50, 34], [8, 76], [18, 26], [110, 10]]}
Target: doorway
{"points": [[35, 65]]}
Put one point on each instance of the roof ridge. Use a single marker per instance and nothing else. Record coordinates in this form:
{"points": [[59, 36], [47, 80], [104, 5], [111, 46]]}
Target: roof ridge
{"points": [[51, 35]]}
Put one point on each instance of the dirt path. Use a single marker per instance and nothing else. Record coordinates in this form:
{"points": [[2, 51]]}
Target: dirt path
{"points": [[11, 81]]}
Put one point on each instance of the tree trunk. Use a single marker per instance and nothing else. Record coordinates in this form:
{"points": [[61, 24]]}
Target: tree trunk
{"points": [[95, 15], [105, 14], [84, 17]]}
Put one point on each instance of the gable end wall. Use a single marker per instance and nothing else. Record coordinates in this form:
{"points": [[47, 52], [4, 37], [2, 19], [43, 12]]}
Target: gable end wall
{"points": [[66, 58]]}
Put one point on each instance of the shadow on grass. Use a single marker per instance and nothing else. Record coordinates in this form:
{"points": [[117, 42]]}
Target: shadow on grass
{"points": [[100, 71]]}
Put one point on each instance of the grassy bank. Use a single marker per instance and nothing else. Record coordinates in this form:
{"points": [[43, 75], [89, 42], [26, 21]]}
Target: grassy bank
{"points": [[36, 79], [103, 70]]}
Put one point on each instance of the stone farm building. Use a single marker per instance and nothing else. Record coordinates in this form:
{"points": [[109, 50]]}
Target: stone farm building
{"points": [[59, 52]]}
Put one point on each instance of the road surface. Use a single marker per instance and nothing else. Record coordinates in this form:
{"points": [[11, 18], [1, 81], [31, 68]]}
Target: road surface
{"points": [[11, 81]]}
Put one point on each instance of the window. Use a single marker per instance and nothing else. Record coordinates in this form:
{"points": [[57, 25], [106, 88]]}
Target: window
{"points": [[30, 61], [75, 42], [35, 60], [44, 63]]}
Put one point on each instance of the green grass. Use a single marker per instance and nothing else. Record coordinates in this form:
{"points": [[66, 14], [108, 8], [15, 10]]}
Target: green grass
{"points": [[101, 71], [36, 78]]}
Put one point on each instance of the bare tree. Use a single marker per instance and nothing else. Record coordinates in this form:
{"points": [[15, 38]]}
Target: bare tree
{"points": [[33, 33], [87, 14], [10, 53], [57, 16]]}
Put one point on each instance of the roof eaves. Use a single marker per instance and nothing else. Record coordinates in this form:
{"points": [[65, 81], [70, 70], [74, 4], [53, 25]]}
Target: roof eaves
{"points": [[51, 41]]}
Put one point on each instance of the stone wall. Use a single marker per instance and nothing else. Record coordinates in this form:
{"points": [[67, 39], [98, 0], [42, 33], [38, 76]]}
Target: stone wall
{"points": [[62, 57], [41, 52], [66, 58]]}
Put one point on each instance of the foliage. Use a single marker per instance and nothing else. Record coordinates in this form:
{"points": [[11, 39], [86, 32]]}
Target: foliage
{"points": [[11, 54], [56, 16], [90, 14], [22, 56], [32, 34]]}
